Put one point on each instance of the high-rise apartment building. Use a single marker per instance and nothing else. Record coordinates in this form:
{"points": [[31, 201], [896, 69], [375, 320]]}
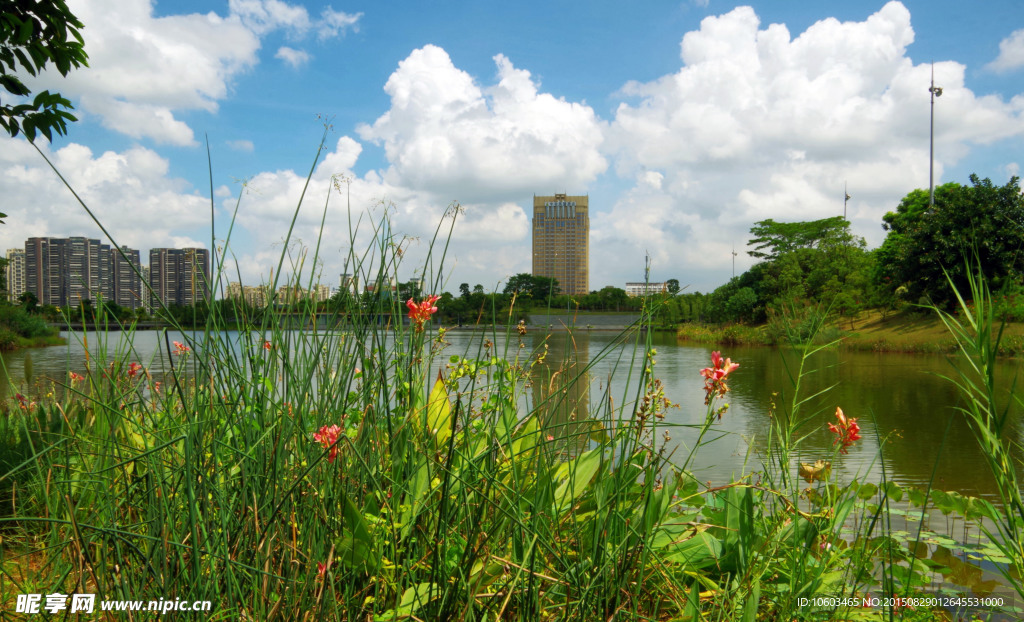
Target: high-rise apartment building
{"points": [[144, 286], [561, 241], [15, 273], [66, 271], [179, 276], [43, 263], [126, 268], [88, 271]]}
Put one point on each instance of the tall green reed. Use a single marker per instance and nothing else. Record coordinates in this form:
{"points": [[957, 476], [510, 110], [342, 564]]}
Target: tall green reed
{"points": [[989, 413]]}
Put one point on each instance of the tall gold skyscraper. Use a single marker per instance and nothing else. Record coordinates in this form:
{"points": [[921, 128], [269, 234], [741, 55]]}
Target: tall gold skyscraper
{"points": [[561, 241]]}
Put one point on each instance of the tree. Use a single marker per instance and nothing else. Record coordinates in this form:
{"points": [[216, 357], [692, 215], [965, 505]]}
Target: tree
{"points": [[409, 289], [33, 35], [773, 239], [537, 287], [980, 222], [29, 301], [673, 286], [464, 291]]}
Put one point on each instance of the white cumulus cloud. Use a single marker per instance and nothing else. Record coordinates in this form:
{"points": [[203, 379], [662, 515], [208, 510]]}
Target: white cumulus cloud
{"points": [[130, 192], [144, 70], [757, 123], [1011, 53], [295, 58], [447, 134]]}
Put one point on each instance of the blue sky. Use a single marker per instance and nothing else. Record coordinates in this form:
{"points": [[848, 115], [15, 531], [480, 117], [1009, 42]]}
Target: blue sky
{"points": [[685, 122]]}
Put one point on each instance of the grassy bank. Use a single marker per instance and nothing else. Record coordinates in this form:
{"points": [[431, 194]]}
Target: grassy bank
{"points": [[20, 329], [918, 332]]}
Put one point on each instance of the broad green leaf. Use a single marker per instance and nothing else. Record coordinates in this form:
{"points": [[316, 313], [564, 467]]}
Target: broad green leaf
{"points": [[750, 606], [689, 545], [412, 599], [575, 476], [356, 546], [418, 489], [867, 491], [439, 412]]}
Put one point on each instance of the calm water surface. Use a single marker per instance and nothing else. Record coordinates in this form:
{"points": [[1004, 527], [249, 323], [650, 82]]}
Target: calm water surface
{"points": [[901, 403]]}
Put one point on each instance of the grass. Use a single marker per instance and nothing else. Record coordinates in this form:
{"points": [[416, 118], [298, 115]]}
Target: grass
{"points": [[918, 331], [339, 475]]}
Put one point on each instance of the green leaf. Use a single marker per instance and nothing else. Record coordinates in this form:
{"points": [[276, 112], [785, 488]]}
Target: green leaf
{"points": [[412, 600], [439, 412], [356, 547], [867, 491], [688, 545], [750, 606], [575, 476]]}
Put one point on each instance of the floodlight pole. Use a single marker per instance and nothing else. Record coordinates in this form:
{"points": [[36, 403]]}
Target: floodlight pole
{"points": [[846, 199], [936, 91]]}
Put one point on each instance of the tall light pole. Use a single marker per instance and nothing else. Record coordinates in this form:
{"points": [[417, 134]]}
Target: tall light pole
{"points": [[846, 199], [936, 91], [734, 261]]}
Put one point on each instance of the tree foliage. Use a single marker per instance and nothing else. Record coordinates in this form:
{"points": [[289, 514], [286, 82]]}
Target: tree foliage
{"points": [[980, 221], [818, 261], [537, 287], [35, 34], [774, 239]]}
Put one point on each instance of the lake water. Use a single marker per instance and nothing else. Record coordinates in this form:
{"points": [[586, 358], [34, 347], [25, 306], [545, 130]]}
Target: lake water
{"points": [[901, 403]]}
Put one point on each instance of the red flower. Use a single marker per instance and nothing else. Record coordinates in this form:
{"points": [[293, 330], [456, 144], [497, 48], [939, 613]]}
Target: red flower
{"points": [[180, 348], [714, 377], [321, 571], [75, 377], [328, 437], [266, 345], [420, 313], [133, 369], [847, 432]]}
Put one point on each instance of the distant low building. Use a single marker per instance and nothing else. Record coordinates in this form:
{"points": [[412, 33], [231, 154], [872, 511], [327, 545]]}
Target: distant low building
{"points": [[646, 289], [251, 296], [321, 293], [349, 283]]}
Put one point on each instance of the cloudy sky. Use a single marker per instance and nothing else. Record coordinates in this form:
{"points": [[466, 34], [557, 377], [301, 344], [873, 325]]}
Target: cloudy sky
{"points": [[685, 122]]}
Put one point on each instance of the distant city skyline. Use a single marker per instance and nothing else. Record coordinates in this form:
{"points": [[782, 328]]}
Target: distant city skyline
{"points": [[68, 271], [729, 113]]}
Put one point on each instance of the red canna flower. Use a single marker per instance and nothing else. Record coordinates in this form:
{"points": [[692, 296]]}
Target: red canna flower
{"points": [[328, 437], [847, 432], [133, 369], [420, 313], [714, 377], [180, 348]]}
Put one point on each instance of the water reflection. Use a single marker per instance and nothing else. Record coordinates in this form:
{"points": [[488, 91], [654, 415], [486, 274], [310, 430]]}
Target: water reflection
{"points": [[560, 389]]}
